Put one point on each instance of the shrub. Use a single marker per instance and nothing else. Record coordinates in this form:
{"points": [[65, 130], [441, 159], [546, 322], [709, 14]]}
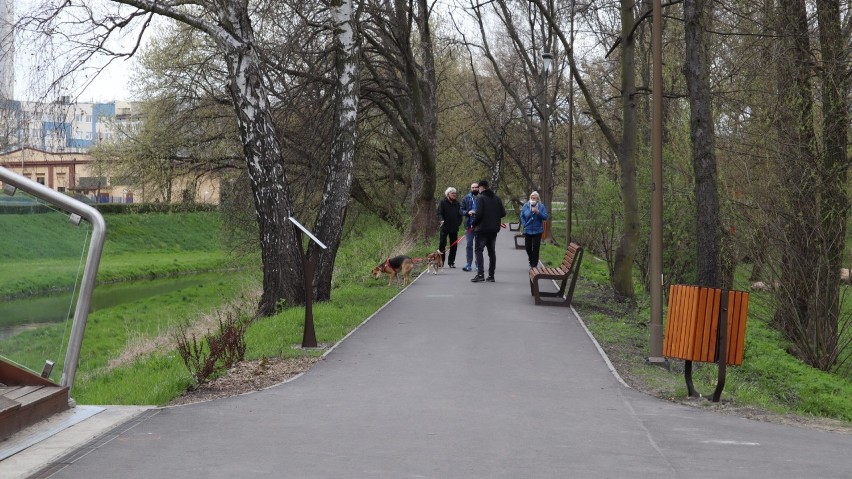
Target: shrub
{"points": [[215, 352]]}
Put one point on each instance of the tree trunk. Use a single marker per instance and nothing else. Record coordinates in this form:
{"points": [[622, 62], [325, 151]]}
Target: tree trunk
{"points": [[280, 249], [834, 167], [625, 254], [697, 15], [424, 103], [794, 123], [332, 214]]}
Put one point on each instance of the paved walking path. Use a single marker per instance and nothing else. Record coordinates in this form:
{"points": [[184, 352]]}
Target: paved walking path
{"points": [[457, 380]]}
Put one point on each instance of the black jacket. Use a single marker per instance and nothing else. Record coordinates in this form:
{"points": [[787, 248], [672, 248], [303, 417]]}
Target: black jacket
{"points": [[489, 210], [450, 214]]}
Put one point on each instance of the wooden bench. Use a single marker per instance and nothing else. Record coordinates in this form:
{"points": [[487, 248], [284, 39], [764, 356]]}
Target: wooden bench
{"points": [[565, 272]]}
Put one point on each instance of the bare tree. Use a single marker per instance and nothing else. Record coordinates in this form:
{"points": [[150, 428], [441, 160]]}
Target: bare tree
{"points": [[231, 27], [814, 175], [399, 56]]}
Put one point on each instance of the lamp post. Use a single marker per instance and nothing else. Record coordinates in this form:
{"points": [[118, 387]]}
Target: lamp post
{"points": [[569, 201], [547, 60]]}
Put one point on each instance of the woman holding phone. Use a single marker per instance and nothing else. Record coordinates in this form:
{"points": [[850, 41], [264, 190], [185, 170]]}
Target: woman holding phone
{"points": [[533, 216]]}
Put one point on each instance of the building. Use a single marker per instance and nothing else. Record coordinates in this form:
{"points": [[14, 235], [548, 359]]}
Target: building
{"points": [[48, 143], [63, 126], [76, 173]]}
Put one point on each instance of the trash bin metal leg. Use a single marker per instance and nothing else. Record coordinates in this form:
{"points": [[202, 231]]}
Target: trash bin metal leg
{"points": [[722, 346], [687, 374]]}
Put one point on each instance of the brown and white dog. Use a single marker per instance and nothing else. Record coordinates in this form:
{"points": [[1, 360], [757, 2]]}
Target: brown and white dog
{"points": [[393, 267], [436, 262]]}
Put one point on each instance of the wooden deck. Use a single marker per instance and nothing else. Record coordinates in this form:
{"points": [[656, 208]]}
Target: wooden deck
{"points": [[26, 399]]}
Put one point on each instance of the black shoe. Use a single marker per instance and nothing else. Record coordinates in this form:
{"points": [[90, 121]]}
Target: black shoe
{"points": [[490, 279], [452, 266], [478, 279]]}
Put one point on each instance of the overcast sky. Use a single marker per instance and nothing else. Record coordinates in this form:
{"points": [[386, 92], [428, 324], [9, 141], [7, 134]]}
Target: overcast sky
{"points": [[36, 64]]}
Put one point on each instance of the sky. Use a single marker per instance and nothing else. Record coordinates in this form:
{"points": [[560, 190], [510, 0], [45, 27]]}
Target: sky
{"points": [[34, 68]]}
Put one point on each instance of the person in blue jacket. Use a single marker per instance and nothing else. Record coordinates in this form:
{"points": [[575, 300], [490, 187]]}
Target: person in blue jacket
{"points": [[468, 210], [533, 216]]}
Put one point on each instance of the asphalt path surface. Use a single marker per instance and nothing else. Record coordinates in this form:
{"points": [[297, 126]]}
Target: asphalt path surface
{"points": [[453, 379]]}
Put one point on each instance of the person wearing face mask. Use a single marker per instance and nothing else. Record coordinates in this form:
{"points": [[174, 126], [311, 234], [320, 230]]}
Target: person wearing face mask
{"points": [[468, 211], [533, 216]]}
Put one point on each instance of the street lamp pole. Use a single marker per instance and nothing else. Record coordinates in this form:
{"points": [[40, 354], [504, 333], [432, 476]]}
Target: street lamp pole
{"points": [[547, 170], [569, 201]]}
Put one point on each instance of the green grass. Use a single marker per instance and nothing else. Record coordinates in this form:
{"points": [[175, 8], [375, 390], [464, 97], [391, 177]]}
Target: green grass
{"points": [[142, 248], [769, 378], [51, 253]]}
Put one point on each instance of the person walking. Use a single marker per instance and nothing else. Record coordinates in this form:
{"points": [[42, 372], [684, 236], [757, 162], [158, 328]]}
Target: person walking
{"points": [[489, 211], [533, 216], [468, 209], [449, 214]]}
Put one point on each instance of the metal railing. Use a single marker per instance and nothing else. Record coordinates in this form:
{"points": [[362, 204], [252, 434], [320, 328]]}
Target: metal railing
{"points": [[78, 211]]}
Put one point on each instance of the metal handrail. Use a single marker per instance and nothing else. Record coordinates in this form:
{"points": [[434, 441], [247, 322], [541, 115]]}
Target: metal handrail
{"points": [[96, 246]]}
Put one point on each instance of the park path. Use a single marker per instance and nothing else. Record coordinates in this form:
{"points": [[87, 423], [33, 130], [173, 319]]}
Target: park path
{"points": [[453, 379]]}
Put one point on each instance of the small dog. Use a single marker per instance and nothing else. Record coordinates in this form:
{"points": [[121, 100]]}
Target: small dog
{"points": [[436, 262], [393, 267]]}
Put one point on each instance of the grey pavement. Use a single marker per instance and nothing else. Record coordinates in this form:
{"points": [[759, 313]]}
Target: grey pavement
{"points": [[453, 379]]}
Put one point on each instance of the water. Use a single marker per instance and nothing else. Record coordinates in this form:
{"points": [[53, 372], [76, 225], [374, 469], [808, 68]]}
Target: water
{"points": [[17, 316]]}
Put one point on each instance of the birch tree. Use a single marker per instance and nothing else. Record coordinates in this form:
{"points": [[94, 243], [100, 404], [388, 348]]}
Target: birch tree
{"points": [[231, 27]]}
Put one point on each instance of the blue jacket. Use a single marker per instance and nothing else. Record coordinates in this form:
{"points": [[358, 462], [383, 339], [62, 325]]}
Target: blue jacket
{"points": [[533, 223], [468, 203]]}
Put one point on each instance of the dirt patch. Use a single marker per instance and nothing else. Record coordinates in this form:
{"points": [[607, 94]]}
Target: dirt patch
{"points": [[247, 376]]}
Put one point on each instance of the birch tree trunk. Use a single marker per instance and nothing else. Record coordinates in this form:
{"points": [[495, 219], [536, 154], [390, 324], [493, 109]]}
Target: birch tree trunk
{"points": [[229, 25], [338, 184]]}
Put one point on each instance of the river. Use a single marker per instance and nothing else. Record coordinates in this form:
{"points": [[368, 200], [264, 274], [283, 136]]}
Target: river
{"points": [[29, 313]]}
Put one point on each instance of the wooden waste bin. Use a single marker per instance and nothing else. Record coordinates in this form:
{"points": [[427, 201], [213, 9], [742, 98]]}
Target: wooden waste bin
{"points": [[706, 324]]}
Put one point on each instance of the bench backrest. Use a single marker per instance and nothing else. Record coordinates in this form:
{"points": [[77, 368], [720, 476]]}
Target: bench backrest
{"points": [[570, 254]]}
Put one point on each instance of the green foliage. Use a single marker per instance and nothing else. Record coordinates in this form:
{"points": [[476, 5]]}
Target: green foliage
{"points": [[145, 208]]}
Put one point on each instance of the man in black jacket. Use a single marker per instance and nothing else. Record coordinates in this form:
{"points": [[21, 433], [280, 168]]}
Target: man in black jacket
{"points": [[489, 211], [449, 214]]}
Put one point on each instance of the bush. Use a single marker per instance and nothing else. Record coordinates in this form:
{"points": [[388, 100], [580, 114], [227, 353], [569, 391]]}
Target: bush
{"points": [[215, 352]]}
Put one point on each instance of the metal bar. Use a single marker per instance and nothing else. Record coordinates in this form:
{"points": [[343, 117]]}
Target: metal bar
{"points": [[309, 337], [722, 346], [96, 246], [687, 374]]}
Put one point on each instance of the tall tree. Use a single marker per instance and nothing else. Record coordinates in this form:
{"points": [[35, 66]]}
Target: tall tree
{"points": [[400, 58], [338, 184], [625, 147], [814, 175], [697, 16]]}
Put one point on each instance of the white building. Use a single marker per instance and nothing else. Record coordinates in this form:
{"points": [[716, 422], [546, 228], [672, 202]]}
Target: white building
{"points": [[62, 126]]}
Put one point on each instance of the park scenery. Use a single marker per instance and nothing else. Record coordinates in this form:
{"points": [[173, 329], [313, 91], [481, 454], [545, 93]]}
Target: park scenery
{"points": [[697, 144]]}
